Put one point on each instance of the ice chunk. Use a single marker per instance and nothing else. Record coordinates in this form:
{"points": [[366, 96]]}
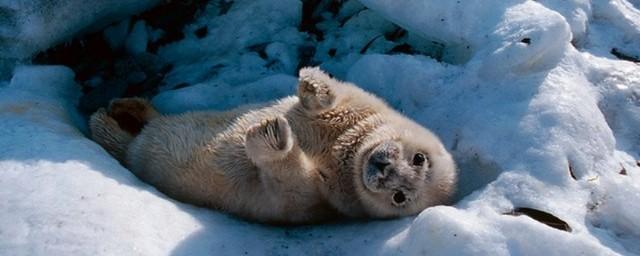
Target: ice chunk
{"points": [[116, 34], [51, 81], [138, 38]]}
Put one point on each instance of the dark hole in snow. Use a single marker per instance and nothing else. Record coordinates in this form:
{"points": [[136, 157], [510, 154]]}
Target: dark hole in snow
{"points": [[332, 52], [86, 56], [571, 172], [402, 48], [92, 58], [417, 45], [526, 40], [623, 171], [101, 95], [166, 69], [179, 86], [542, 217], [395, 34], [315, 12], [624, 56], [271, 64], [310, 19], [215, 70], [638, 163], [305, 54], [261, 49], [171, 17], [201, 32], [127, 76], [149, 85]]}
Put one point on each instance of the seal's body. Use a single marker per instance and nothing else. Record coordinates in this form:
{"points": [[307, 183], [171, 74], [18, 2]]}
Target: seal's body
{"points": [[332, 150]]}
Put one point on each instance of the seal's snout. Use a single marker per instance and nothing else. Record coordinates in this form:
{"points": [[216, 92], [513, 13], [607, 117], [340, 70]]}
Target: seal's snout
{"points": [[378, 163]]}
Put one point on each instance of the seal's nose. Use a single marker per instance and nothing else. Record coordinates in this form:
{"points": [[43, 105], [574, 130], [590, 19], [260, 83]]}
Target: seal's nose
{"points": [[378, 163]]}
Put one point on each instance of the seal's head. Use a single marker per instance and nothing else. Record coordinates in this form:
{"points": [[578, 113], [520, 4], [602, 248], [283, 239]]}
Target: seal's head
{"points": [[402, 168]]}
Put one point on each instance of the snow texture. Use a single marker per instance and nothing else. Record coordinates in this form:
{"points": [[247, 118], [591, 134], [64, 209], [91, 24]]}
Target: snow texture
{"points": [[528, 97], [27, 27]]}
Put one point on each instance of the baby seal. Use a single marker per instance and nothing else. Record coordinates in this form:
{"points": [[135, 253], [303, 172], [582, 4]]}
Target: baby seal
{"points": [[332, 151]]}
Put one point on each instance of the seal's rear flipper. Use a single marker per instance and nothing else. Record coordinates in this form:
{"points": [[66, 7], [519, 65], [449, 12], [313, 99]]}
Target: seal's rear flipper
{"points": [[115, 127], [132, 114]]}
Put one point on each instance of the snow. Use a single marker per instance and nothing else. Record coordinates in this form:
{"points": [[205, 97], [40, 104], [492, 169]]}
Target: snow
{"points": [[249, 27], [61, 195], [116, 34], [28, 27], [496, 41], [521, 117], [138, 38], [222, 95]]}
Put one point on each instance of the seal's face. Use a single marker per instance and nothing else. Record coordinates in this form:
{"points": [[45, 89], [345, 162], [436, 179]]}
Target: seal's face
{"points": [[393, 172], [404, 175]]}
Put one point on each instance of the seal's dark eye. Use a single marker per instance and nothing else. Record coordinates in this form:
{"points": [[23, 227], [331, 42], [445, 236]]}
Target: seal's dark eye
{"points": [[418, 159]]}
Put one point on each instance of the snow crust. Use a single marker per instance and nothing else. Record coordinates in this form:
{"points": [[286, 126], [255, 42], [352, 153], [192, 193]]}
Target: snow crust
{"points": [[521, 117]]}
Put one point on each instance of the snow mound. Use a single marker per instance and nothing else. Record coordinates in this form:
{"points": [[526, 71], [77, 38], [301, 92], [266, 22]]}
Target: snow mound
{"points": [[529, 96], [514, 36], [61, 193]]}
